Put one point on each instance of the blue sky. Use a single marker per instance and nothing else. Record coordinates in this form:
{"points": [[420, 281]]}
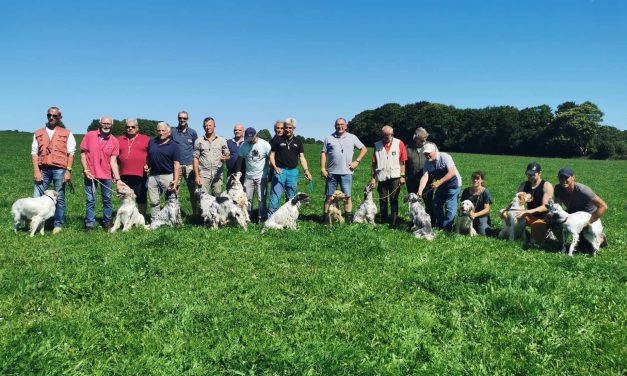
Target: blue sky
{"points": [[254, 62]]}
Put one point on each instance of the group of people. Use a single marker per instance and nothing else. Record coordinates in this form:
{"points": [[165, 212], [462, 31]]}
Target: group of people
{"points": [[153, 167]]}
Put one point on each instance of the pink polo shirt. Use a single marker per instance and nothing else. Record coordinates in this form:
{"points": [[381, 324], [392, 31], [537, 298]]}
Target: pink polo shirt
{"points": [[99, 152]]}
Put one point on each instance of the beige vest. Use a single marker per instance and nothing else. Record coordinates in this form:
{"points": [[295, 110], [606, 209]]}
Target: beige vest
{"points": [[388, 163]]}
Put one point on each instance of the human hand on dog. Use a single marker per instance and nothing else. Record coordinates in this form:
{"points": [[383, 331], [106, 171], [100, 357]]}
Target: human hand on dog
{"points": [[173, 187]]}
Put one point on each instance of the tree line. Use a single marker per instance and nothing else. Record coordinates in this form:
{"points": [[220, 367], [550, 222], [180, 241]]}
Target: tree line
{"points": [[572, 130]]}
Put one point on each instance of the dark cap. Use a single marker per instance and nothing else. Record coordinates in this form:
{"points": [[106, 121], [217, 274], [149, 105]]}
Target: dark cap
{"points": [[566, 172], [533, 168], [250, 134]]}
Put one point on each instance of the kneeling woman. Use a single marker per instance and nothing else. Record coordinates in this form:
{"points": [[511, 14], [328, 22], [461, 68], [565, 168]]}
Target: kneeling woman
{"points": [[482, 199]]}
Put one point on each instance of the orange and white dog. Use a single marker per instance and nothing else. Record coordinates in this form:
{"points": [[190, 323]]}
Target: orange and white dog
{"points": [[514, 227]]}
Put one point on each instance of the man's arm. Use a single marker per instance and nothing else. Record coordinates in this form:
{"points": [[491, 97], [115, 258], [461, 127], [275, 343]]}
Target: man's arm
{"points": [[452, 171], [273, 163], [113, 161], [423, 182], [196, 171], [85, 164], [360, 156], [601, 209], [303, 162], [323, 165]]}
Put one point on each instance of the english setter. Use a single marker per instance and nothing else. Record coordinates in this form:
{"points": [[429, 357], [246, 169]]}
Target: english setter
{"points": [[464, 224], [128, 215], [37, 209], [575, 224], [367, 209], [237, 193], [287, 214], [220, 211], [335, 213], [514, 227], [421, 221], [170, 215]]}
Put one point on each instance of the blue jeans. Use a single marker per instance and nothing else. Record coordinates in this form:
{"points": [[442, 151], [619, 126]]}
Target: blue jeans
{"points": [[286, 181], [482, 225], [445, 207], [107, 205], [54, 175]]}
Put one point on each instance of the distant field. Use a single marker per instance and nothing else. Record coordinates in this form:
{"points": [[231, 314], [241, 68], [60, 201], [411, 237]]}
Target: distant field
{"points": [[343, 300]]}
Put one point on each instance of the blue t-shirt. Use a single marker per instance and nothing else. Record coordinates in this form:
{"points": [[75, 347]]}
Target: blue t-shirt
{"points": [[161, 157], [339, 152], [186, 143]]}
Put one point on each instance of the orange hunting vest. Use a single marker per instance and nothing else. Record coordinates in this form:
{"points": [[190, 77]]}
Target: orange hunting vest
{"points": [[52, 152]]}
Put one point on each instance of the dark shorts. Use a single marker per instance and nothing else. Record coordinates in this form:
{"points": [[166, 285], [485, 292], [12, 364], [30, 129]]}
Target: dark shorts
{"points": [[138, 184]]}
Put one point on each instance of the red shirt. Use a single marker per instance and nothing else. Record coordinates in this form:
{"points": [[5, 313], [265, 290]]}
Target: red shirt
{"points": [[133, 154], [99, 152]]}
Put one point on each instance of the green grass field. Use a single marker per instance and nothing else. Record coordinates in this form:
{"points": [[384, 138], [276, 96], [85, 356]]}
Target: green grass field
{"points": [[352, 299]]}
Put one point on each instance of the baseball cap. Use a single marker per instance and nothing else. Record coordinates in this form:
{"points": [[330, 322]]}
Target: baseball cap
{"points": [[250, 134], [429, 148], [566, 172], [533, 168]]}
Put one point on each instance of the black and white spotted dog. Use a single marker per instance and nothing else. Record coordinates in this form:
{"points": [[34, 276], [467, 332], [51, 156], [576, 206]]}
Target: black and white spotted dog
{"points": [[237, 193], [367, 209], [287, 214], [421, 221], [220, 211], [170, 215], [207, 211]]}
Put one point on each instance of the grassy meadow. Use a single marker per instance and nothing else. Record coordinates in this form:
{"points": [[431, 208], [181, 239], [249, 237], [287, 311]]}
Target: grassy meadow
{"points": [[350, 299]]}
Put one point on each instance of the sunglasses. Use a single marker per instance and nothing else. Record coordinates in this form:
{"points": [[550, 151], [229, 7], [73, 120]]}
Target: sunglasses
{"points": [[54, 116], [182, 118], [131, 127]]}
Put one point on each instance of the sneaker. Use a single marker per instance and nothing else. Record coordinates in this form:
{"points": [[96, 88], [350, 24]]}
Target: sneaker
{"points": [[57, 230]]}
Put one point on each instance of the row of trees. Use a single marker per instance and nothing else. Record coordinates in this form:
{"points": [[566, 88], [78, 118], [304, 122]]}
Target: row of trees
{"points": [[573, 130]]}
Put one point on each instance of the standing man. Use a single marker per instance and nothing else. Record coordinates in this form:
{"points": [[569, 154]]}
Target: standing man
{"points": [[284, 156], [254, 155], [185, 137], [337, 166], [99, 152], [52, 155], [164, 157], [414, 167], [579, 197], [447, 184], [234, 144], [210, 152], [132, 160], [388, 168]]}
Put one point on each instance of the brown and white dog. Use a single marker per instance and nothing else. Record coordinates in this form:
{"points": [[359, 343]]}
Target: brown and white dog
{"points": [[464, 224], [335, 213], [514, 227], [35, 209], [128, 215]]}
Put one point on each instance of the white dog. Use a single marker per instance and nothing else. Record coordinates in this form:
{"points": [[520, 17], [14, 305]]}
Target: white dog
{"points": [[37, 209], [208, 211], [367, 209], [227, 212], [237, 193], [170, 214], [514, 227], [128, 215], [421, 221], [287, 214], [464, 224], [575, 224]]}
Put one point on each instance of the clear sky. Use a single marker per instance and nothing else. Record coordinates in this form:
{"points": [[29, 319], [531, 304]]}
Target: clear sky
{"points": [[253, 62]]}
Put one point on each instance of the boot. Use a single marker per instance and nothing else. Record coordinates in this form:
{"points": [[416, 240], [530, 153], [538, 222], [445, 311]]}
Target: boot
{"points": [[394, 220], [384, 212], [349, 218]]}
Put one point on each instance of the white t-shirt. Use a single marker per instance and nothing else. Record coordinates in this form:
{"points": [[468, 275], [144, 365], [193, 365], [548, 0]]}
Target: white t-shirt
{"points": [[256, 156]]}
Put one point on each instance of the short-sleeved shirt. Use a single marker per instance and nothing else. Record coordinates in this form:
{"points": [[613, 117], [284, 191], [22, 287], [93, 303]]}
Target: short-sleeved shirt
{"points": [[286, 152], [186, 142], [339, 152], [415, 160], [256, 158], [209, 154], [161, 156], [440, 167], [99, 151], [579, 200], [133, 154], [480, 200]]}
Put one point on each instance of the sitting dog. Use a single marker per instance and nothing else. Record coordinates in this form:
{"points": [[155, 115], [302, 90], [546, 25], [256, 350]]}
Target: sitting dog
{"points": [[170, 214], [207, 210], [464, 224], [367, 209], [237, 193], [421, 221], [287, 214], [575, 224], [227, 212], [128, 215], [334, 214], [37, 209], [513, 227]]}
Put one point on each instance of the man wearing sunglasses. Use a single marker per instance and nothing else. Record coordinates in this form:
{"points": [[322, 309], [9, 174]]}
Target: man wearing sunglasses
{"points": [[185, 137], [133, 161], [52, 155]]}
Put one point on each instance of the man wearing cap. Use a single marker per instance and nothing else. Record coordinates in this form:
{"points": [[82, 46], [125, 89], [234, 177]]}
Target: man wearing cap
{"points": [[52, 155], [210, 152], [286, 152], [186, 137], [253, 156], [541, 192], [578, 197], [388, 168], [337, 165], [447, 184], [234, 144]]}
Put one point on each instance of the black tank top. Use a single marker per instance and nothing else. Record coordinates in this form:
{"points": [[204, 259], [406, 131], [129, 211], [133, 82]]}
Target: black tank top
{"points": [[536, 196]]}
